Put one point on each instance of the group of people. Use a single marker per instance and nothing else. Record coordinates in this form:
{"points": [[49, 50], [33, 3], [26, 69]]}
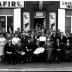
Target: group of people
{"points": [[36, 45]]}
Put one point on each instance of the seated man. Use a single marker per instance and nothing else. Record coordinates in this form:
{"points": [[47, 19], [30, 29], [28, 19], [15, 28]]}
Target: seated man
{"points": [[68, 48], [49, 48], [58, 49], [29, 49], [9, 53], [20, 52]]}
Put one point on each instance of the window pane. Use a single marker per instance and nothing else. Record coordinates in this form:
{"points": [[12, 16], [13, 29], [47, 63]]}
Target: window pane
{"points": [[3, 24], [68, 24], [9, 24]]}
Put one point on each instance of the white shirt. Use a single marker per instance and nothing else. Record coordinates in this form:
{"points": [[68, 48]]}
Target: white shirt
{"points": [[2, 41], [42, 38], [15, 40]]}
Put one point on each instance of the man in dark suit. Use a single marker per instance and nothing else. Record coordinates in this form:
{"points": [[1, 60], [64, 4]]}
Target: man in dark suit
{"points": [[68, 37], [62, 38], [68, 48], [9, 53], [24, 40], [20, 52], [58, 49], [31, 46], [54, 38], [63, 41]]}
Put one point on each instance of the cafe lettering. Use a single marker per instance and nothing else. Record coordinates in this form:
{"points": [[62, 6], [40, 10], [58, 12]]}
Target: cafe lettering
{"points": [[66, 4], [11, 4]]}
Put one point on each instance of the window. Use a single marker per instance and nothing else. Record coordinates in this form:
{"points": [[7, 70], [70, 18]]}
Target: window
{"points": [[68, 20], [68, 24], [6, 23]]}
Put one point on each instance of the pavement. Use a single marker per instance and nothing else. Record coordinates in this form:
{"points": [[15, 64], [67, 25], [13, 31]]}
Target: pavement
{"points": [[37, 67]]}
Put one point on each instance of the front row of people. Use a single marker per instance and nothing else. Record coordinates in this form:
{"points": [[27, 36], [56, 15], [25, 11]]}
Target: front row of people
{"points": [[50, 52]]}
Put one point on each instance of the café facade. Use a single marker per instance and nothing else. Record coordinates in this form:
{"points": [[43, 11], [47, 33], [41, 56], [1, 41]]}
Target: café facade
{"points": [[25, 15]]}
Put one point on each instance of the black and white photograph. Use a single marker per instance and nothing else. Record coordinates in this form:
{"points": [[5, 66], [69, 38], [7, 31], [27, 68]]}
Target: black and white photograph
{"points": [[35, 35]]}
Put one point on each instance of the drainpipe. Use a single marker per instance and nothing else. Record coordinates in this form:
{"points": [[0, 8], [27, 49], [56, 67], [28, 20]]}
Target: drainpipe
{"points": [[40, 5]]}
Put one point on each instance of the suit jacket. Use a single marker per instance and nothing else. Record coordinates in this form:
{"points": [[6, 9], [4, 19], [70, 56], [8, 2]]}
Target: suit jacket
{"points": [[54, 38], [70, 39], [32, 46], [9, 48], [60, 46], [63, 39], [20, 48], [68, 47]]}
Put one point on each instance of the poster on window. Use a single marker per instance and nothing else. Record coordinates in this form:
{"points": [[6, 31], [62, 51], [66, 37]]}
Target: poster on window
{"points": [[53, 21], [26, 21]]}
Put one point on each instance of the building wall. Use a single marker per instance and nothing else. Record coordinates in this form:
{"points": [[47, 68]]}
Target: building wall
{"points": [[33, 6], [51, 6]]}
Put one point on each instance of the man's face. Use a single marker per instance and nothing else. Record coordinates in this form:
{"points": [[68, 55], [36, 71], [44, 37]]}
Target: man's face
{"points": [[9, 42], [16, 35], [61, 33], [29, 41], [67, 34], [1, 35], [58, 40], [68, 41], [19, 43], [54, 33]]}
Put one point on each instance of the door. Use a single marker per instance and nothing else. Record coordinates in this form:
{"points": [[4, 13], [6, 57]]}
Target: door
{"points": [[10, 24], [39, 22]]}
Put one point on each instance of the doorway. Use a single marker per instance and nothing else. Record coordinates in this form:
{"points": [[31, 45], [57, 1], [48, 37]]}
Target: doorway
{"points": [[39, 22]]}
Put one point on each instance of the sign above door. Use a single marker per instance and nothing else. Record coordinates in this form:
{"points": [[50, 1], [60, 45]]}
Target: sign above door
{"points": [[39, 15]]}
